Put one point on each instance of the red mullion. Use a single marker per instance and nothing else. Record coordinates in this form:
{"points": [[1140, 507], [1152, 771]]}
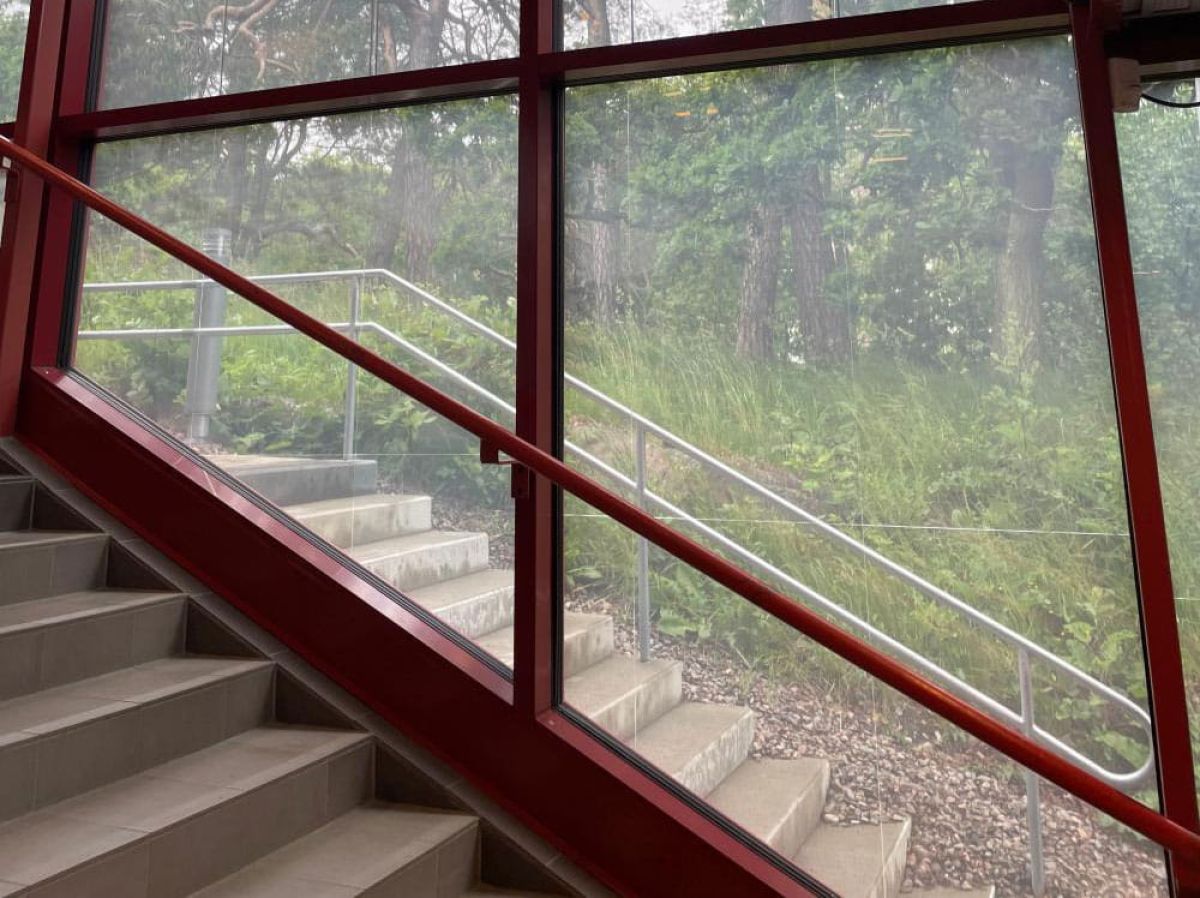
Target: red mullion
{"points": [[51, 305], [879, 32], [536, 373], [319, 98], [24, 214], [1152, 564]]}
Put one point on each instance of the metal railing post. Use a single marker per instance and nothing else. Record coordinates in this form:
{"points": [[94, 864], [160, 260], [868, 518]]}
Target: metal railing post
{"points": [[643, 560], [352, 371], [1033, 785], [204, 360]]}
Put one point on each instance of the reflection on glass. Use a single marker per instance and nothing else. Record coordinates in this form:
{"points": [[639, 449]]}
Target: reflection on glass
{"points": [[1162, 192], [840, 321], [158, 51], [596, 23], [14, 17], [310, 208]]}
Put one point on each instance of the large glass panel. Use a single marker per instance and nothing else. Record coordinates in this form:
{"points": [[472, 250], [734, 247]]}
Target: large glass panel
{"points": [[158, 51], [14, 19], [1159, 146], [596, 23], [416, 261], [841, 322]]}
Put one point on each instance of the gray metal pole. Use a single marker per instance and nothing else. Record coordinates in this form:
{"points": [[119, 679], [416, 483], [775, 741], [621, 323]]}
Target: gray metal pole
{"points": [[352, 371], [643, 561], [204, 361], [1033, 785]]}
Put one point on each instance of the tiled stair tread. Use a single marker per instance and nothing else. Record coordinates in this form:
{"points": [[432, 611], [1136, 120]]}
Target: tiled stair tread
{"points": [[613, 679], [12, 539], [675, 739], [77, 605], [462, 589], [499, 643], [63, 706], [762, 796], [65, 835], [412, 542], [355, 851], [852, 860]]}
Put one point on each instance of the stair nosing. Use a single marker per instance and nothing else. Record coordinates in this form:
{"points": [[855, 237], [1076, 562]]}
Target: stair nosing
{"points": [[152, 598]]}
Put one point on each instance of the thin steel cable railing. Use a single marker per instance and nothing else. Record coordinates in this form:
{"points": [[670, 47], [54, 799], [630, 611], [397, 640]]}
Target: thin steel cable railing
{"points": [[1025, 650], [496, 438]]}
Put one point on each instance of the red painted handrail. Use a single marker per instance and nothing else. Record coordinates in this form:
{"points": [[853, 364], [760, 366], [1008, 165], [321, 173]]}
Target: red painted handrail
{"points": [[1016, 746]]}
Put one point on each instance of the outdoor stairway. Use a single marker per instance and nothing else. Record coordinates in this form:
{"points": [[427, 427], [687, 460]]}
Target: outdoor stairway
{"points": [[144, 754], [706, 747]]}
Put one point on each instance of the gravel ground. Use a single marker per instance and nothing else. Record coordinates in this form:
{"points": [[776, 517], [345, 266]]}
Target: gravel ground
{"points": [[967, 804]]}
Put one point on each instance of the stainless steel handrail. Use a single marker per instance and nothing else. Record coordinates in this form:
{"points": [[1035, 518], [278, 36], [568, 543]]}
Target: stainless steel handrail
{"points": [[1025, 649]]}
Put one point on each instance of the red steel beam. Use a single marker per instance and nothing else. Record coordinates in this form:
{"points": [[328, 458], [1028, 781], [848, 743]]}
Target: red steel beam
{"points": [[536, 372], [1153, 825], [1151, 557], [322, 98]]}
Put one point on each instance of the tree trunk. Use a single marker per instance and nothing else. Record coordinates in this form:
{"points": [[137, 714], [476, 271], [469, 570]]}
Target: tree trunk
{"points": [[824, 329], [760, 284], [1017, 318], [410, 208]]}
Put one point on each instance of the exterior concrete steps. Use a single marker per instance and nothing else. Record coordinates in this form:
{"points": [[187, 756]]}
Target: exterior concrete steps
{"points": [[474, 604], [414, 560], [61, 741], [181, 825], [697, 744], [61, 639], [989, 892], [355, 520], [623, 696], [292, 481], [778, 801], [395, 850], [587, 640], [857, 861]]}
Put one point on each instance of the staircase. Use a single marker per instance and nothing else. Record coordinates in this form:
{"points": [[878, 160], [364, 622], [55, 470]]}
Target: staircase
{"points": [[705, 747], [145, 752]]}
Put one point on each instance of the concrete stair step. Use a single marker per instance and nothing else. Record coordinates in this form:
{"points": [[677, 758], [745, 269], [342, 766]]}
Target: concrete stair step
{"points": [[58, 742], [177, 827], [698, 744], [61, 639], [622, 695], [587, 639], [355, 520], [860, 861], [473, 604], [292, 481], [36, 564], [778, 801], [988, 892], [422, 559], [390, 849]]}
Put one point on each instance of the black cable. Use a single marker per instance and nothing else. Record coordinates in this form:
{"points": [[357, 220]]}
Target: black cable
{"points": [[1193, 104]]}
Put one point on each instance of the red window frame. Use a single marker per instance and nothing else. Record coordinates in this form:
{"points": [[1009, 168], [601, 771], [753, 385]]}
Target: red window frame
{"points": [[54, 121]]}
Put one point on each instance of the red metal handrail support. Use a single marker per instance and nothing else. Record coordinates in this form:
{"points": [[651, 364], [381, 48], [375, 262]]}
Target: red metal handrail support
{"points": [[496, 439]]}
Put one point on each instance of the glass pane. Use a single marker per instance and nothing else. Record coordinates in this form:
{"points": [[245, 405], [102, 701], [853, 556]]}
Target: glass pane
{"points": [[376, 475], [158, 51], [841, 322], [856, 785], [1162, 192], [595, 23], [14, 19]]}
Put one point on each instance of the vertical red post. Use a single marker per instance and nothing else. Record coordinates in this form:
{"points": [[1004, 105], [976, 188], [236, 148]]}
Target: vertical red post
{"points": [[24, 213], [536, 367], [1152, 565]]}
